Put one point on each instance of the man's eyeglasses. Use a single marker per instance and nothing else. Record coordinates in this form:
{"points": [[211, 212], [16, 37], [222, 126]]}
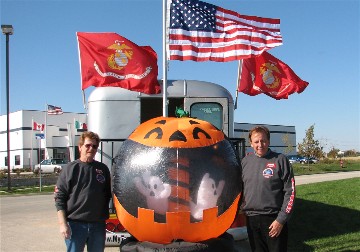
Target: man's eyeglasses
{"points": [[94, 146]]}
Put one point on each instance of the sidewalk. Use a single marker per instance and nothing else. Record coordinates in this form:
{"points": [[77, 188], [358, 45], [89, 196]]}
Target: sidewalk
{"points": [[308, 179]]}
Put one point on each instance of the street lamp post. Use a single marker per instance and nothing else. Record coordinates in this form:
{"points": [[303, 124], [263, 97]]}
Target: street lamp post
{"points": [[7, 30]]}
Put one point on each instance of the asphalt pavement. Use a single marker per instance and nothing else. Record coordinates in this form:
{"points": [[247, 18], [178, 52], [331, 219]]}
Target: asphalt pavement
{"points": [[29, 222]]}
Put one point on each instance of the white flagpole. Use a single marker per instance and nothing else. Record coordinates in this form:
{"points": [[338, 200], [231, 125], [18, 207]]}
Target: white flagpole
{"points": [[40, 163], [32, 136], [83, 92], [70, 134], [84, 100], [164, 89], [45, 131], [238, 82]]}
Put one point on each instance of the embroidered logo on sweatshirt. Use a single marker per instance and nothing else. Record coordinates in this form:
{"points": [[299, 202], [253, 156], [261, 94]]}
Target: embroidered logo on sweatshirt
{"points": [[100, 178], [269, 172]]}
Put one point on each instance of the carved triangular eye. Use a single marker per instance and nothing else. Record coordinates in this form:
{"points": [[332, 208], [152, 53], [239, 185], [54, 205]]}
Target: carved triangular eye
{"points": [[177, 136]]}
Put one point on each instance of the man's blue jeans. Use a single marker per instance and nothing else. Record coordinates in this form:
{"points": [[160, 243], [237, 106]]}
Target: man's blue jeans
{"points": [[90, 233]]}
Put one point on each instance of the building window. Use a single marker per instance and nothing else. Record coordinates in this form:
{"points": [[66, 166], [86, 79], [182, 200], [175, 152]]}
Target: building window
{"points": [[17, 159]]}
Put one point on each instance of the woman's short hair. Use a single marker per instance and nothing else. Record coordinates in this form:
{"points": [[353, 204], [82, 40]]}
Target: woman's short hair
{"points": [[88, 134]]}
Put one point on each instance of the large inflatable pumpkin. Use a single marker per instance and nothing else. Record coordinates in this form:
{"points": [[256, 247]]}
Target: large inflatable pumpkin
{"points": [[176, 179]]}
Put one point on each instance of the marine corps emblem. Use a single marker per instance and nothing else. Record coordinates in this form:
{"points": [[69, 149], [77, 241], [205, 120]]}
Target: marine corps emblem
{"points": [[269, 73], [120, 57]]}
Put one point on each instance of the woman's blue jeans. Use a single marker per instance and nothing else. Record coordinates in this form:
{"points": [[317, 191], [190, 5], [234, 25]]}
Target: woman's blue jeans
{"points": [[91, 234]]}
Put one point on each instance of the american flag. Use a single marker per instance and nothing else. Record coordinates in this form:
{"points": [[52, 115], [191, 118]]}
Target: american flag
{"points": [[201, 31], [53, 110]]}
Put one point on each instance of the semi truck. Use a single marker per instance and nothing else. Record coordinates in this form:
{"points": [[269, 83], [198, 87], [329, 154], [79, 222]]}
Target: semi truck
{"points": [[114, 113]]}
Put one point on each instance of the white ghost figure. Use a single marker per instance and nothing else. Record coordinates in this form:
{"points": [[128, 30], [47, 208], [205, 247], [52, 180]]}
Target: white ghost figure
{"points": [[155, 191], [207, 196]]}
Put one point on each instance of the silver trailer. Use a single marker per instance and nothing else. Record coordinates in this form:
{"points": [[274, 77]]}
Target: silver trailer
{"points": [[115, 112]]}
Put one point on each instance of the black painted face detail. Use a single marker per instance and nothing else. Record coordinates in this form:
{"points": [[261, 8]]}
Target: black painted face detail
{"points": [[157, 131], [177, 135], [196, 132]]}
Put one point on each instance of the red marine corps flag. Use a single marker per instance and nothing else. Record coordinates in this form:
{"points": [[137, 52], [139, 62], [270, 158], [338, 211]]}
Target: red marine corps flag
{"points": [[269, 75], [108, 59]]}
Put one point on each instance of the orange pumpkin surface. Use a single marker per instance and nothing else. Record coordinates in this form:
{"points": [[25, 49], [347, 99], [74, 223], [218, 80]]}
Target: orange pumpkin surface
{"points": [[177, 132], [176, 179]]}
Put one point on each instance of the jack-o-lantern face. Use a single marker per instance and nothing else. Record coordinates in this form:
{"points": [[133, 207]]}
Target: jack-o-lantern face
{"points": [[177, 133], [176, 178]]}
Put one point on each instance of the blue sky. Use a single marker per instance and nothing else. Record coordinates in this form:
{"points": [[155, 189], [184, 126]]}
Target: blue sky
{"points": [[320, 43]]}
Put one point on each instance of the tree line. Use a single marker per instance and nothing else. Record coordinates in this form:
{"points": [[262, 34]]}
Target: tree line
{"points": [[311, 147]]}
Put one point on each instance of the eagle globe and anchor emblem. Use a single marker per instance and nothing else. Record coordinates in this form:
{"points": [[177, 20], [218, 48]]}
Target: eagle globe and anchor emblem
{"points": [[269, 73], [121, 57], [119, 60]]}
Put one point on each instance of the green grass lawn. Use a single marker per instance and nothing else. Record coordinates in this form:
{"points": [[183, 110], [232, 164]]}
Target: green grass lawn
{"points": [[326, 217], [27, 190], [326, 166]]}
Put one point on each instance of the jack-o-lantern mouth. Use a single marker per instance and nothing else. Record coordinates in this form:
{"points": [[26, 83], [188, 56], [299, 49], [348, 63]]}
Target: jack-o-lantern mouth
{"points": [[178, 225], [177, 132]]}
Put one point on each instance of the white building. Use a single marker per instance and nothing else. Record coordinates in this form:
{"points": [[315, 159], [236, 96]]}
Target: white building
{"points": [[61, 137]]}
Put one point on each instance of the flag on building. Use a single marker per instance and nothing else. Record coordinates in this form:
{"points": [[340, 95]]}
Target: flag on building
{"points": [[108, 59], [39, 136], [54, 110], [269, 75], [80, 125], [38, 126], [201, 31]]}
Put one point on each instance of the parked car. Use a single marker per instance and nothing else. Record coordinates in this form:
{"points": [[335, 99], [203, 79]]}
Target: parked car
{"points": [[294, 158], [309, 160], [53, 165]]}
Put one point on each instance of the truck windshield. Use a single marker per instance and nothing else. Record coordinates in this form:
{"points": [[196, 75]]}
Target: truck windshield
{"points": [[208, 111]]}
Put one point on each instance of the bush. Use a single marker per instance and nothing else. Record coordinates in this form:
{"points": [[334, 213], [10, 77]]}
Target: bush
{"points": [[327, 161]]}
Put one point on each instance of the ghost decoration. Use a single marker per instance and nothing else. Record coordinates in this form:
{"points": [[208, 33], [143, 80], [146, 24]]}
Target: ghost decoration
{"points": [[155, 191], [207, 196], [176, 179]]}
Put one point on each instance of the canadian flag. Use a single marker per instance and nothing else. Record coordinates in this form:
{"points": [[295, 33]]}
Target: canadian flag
{"points": [[38, 126]]}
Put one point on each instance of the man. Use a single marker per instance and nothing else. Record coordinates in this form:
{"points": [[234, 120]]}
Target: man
{"points": [[268, 194], [82, 196]]}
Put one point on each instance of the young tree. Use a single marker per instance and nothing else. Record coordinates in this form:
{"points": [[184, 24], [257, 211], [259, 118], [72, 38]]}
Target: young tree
{"points": [[333, 153], [310, 147], [350, 153], [288, 143]]}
